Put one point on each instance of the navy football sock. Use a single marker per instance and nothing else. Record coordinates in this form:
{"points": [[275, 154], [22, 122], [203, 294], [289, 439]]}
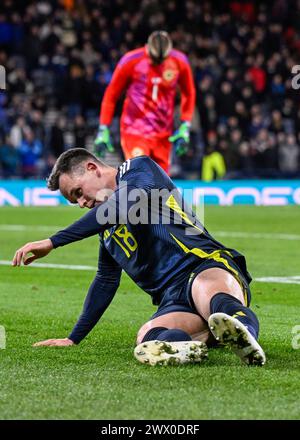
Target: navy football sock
{"points": [[225, 303], [164, 334]]}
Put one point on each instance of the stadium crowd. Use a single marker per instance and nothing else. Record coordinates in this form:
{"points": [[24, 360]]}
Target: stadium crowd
{"points": [[59, 57]]}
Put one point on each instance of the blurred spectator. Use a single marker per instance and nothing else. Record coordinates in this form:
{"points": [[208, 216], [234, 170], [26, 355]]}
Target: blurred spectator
{"points": [[213, 166], [225, 101], [80, 132], [258, 122], [17, 132], [57, 141], [258, 75], [264, 148], [37, 125], [93, 92], [245, 160], [59, 58], [30, 151], [9, 159], [242, 115], [289, 155], [231, 154], [208, 114], [277, 91], [276, 125], [74, 90]]}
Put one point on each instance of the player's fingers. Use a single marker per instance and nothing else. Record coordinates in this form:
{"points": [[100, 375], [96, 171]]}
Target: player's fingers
{"points": [[20, 254], [18, 257], [38, 344], [62, 343], [17, 260], [24, 251], [51, 343], [54, 343], [44, 343], [14, 261], [29, 260]]}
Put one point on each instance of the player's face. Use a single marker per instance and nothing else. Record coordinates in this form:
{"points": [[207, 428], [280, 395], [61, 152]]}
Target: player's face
{"points": [[159, 46], [156, 60], [88, 189]]}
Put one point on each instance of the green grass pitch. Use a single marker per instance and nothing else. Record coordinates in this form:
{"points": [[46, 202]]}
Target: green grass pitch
{"points": [[100, 378]]}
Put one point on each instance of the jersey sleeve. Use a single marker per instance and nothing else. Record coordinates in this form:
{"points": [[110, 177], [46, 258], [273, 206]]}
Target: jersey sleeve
{"points": [[135, 182], [85, 227], [188, 92], [139, 172], [114, 90], [99, 296], [97, 220]]}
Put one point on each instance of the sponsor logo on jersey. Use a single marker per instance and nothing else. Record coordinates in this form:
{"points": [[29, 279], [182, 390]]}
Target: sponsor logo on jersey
{"points": [[169, 74]]}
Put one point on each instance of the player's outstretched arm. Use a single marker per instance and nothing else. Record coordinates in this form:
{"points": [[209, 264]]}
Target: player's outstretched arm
{"points": [[100, 295], [54, 343], [38, 249]]}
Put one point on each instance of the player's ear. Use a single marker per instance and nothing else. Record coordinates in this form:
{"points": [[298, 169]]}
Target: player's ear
{"points": [[91, 166]]}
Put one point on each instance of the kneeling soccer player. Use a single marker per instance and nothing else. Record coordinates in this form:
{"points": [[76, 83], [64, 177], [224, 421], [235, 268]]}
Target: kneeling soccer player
{"points": [[201, 287]]}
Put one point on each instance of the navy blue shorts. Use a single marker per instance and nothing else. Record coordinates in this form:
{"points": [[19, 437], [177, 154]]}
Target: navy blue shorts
{"points": [[178, 296]]}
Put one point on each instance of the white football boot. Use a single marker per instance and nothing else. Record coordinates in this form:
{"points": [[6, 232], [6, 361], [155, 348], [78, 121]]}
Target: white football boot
{"points": [[231, 332], [170, 353]]}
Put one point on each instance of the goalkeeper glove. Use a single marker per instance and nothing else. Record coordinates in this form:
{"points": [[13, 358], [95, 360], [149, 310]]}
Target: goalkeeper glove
{"points": [[103, 141], [181, 139]]}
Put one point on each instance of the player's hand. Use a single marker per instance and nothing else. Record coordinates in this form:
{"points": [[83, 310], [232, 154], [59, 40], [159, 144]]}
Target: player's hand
{"points": [[102, 142], [181, 139], [38, 249], [54, 343]]}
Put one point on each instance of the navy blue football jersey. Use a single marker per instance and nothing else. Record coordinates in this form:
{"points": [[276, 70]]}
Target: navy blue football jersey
{"points": [[147, 230]]}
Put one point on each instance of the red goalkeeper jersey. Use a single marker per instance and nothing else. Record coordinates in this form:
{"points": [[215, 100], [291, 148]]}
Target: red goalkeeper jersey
{"points": [[148, 109]]}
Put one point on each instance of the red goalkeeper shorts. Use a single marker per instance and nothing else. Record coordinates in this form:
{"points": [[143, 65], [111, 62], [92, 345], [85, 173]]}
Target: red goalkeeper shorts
{"points": [[158, 149]]}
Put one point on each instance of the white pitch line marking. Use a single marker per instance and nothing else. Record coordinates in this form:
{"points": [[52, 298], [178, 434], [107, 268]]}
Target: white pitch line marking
{"points": [[233, 234], [282, 280], [17, 228], [53, 266], [258, 235]]}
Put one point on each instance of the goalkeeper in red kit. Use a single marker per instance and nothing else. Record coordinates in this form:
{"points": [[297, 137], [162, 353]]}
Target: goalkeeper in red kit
{"points": [[150, 76]]}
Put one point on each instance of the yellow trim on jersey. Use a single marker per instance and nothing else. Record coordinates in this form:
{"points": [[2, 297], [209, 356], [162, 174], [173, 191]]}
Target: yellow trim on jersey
{"points": [[228, 253], [172, 204], [123, 233], [125, 240], [121, 246], [216, 256], [106, 234], [239, 314]]}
